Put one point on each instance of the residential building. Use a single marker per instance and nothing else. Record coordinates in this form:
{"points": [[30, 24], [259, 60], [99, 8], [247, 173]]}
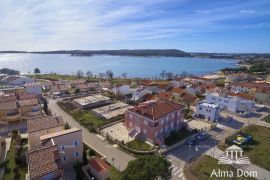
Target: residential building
{"points": [[230, 103], [207, 111], [99, 168], [194, 89], [43, 125], [45, 163], [139, 93], [180, 82], [33, 88], [248, 87], [154, 120], [121, 89], [69, 143], [9, 110], [237, 77], [29, 104], [15, 80], [92, 101], [112, 110]]}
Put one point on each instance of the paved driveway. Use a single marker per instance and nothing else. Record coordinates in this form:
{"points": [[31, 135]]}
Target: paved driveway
{"points": [[121, 158]]}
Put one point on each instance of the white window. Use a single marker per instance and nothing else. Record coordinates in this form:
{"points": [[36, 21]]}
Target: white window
{"points": [[130, 116], [156, 133], [178, 113], [145, 131], [161, 130], [145, 122], [130, 123], [162, 121]]}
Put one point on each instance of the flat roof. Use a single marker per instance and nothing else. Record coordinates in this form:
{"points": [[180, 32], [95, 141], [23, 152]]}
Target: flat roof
{"points": [[59, 133], [91, 99], [211, 105], [112, 110]]}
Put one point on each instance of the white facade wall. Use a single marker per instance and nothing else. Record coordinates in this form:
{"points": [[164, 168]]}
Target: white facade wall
{"points": [[124, 90], [140, 93], [34, 89], [209, 113], [233, 104]]}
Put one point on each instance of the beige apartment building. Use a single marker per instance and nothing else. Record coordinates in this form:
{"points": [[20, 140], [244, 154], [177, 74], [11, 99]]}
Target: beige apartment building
{"points": [[69, 143], [43, 125]]}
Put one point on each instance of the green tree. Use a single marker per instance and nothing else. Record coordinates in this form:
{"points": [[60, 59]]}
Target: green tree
{"points": [[45, 105], [79, 74], [109, 75], [148, 168], [89, 74], [37, 71]]}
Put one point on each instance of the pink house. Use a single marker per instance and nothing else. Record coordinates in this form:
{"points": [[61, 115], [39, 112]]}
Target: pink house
{"points": [[154, 120]]}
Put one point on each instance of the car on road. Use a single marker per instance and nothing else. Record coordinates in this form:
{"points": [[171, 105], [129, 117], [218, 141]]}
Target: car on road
{"points": [[191, 142], [201, 136]]}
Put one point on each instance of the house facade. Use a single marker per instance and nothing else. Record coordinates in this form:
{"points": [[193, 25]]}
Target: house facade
{"points": [[231, 103], [154, 120], [44, 163], [69, 143], [139, 93], [43, 125], [207, 111], [121, 89]]}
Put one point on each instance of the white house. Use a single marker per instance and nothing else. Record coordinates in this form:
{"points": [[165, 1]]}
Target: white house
{"points": [[17, 80], [208, 111], [178, 82], [121, 89], [139, 92], [194, 89], [230, 103]]}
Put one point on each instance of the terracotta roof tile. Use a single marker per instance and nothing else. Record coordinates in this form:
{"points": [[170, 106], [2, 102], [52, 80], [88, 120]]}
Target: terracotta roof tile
{"points": [[156, 109], [29, 102], [99, 165], [43, 161], [44, 122]]}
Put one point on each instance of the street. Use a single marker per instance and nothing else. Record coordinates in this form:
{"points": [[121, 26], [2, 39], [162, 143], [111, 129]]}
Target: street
{"points": [[114, 156]]}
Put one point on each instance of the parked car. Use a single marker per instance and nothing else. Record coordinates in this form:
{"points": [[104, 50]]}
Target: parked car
{"points": [[201, 136], [191, 142], [240, 140]]}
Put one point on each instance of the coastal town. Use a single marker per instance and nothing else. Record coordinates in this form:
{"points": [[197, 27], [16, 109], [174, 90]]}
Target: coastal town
{"points": [[88, 127]]}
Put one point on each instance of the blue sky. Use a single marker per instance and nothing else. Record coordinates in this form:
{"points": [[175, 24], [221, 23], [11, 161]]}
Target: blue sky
{"points": [[189, 25]]}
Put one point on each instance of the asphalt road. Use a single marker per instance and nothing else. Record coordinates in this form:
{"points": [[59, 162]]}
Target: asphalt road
{"points": [[114, 156]]}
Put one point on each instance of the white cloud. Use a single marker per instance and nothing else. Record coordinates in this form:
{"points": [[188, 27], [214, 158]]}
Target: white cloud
{"points": [[87, 24]]}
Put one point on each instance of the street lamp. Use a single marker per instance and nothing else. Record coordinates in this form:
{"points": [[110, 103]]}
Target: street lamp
{"points": [[189, 158]]}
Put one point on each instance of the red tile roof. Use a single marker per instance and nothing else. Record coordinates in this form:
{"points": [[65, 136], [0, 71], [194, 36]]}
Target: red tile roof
{"points": [[164, 95], [99, 165], [44, 122], [8, 105], [29, 102], [26, 96], [156, 109], [9, 98], [178, 90], [44, 161], [242, 95]]}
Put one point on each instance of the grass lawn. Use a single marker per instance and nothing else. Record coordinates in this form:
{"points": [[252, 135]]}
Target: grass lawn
{"points": [[177, 136], [203, 167], [86, 118], [139, 145], [11, 166], [258, 149], [115, 174], [267, 119]]}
